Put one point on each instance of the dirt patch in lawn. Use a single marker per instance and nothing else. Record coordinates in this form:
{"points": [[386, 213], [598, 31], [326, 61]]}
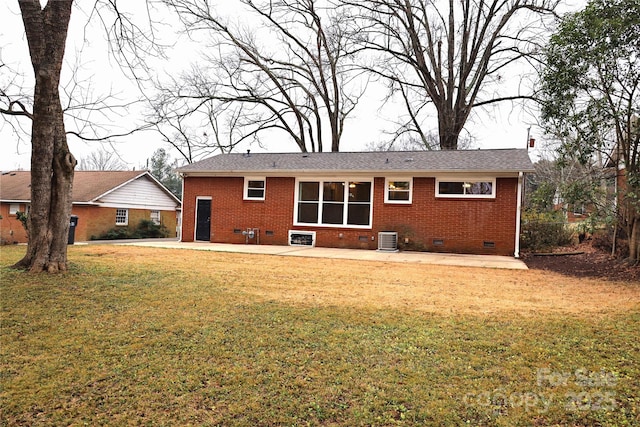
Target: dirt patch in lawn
{"points": [[582, 261], [373, 285]]}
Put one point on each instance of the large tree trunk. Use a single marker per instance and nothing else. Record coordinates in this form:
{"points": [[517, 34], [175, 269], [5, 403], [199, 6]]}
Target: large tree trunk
{"points": [[449, 127], [51, 162], [448, 136]]}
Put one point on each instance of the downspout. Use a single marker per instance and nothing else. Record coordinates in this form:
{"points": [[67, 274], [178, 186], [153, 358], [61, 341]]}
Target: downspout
{"points": [[182, 175], [518, 214]]}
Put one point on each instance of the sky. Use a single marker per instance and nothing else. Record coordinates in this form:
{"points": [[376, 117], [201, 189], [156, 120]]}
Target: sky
{"points": [[98, 74]]}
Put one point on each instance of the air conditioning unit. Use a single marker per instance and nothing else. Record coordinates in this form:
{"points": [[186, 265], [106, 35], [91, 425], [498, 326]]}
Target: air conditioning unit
{"points": [[302, 238], [388, 241]]}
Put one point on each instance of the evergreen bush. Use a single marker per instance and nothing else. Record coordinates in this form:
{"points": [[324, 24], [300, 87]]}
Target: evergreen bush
{"points": [[544, 231]]}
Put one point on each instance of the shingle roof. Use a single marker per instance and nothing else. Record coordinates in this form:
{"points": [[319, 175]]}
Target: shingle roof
{"points": [[87, 185], [495, 161], [15, 186]]}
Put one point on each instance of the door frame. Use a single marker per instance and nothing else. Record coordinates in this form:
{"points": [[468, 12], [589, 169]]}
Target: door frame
{"points": [[195, 224]]}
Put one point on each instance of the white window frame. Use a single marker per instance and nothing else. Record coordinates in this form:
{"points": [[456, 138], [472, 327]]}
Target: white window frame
{"points": [[399, 202], [126, 216], [156, 217], [467, 180], [247, 188], [321, 182], [14, 208]]}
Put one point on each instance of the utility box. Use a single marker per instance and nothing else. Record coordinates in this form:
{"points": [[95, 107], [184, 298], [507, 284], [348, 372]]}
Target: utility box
{"points": [[73, 222], [388, 241]]}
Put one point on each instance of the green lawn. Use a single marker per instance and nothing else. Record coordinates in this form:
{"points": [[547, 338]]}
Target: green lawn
{"points": [[135, 336]]}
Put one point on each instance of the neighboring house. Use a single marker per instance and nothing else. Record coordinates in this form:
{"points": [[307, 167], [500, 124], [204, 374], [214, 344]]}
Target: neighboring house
{"points": [[445, 201], [102, 200]]}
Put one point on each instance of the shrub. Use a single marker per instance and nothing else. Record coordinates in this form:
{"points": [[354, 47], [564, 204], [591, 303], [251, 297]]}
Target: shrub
{"points": [[148, 229], [23, 217], [114, 234], [544, 230], [144, 230]]}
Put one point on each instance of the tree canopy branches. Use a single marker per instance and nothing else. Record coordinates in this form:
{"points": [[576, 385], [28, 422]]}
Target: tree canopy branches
{"points": [[293, 73], [591, 94], [449, 53]]}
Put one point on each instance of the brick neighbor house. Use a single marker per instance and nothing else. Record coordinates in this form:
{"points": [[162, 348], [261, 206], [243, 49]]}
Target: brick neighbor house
{"points": [[445, 201], [102, 200]]}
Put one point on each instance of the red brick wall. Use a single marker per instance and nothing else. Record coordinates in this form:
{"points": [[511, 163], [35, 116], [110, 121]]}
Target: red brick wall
{"points": [[230, 212], [92, 221], [11, 230], [462, 224]]}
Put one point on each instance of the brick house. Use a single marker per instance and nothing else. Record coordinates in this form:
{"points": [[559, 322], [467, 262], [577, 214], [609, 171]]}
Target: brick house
{"points": [[444, 201], [102, 200]]}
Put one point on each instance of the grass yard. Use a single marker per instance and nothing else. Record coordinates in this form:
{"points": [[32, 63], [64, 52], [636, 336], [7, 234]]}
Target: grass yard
{"points": [[139, 336]]}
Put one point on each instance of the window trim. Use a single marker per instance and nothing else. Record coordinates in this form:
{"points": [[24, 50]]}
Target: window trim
{"points": [[126, 216], [321, 182], [492, 180], [159, 219], [14, 208], [398, 202], [245, 191]]}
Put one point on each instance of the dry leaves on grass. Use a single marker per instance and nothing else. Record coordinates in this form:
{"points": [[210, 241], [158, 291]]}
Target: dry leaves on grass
{"points": [[181, 337], [584, 260], [402, 286]]}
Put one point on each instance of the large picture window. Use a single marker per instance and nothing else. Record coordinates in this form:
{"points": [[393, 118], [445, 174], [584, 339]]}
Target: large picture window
{"points": [[334, 203], [472, 188]]}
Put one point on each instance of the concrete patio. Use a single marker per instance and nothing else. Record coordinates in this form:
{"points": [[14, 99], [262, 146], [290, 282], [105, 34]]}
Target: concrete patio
{"points": [[461, 260]]}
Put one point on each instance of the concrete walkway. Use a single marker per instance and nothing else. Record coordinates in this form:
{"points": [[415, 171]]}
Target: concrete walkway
{"points": [[462, 260]]}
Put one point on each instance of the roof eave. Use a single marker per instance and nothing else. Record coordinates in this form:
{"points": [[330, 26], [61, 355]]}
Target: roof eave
{"points": [[14, 201], [350, 172]]}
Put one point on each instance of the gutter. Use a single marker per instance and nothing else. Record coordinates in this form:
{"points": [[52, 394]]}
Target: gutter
{"points": [[351, 172]]}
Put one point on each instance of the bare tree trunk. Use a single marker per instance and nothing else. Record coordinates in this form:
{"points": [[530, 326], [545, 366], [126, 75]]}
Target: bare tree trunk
{"points": [[51, 162], [614, 243], [448, 131], [634, 242]]}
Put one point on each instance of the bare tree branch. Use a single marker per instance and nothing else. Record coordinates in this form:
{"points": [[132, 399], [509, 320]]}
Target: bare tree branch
{"points": [[303, 87], [452, 51]]}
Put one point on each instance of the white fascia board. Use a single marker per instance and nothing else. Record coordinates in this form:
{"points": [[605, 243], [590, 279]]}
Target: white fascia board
{"points": [[14, 201]]}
